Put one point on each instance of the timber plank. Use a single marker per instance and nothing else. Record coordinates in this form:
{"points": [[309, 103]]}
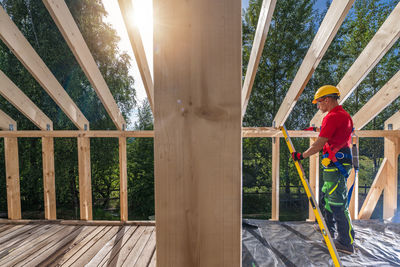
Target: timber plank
{"points": [[6, 121], [20, 249], [137, 250], [75, 252], [117, 247], [105, 250], [26, 236], [89, 252], [127, 248], [28, 255], [15, 231], [147, 252], [4, 228], [60, 255], [153, 260]]}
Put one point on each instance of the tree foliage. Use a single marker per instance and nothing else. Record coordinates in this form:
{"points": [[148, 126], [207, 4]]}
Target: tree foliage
{"points": [[36, 24]]}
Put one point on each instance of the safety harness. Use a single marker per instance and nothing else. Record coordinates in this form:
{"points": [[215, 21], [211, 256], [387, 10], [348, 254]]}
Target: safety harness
{"points": [[334, 155]]}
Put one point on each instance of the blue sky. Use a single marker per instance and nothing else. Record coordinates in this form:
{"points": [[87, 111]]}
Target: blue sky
{"points": [[319, 4]]}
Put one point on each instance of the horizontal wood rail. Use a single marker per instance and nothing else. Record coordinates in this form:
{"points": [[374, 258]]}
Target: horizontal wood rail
{"points": [[246, 132]]}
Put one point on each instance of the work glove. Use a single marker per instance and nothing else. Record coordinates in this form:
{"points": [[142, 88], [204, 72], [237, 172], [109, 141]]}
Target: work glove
{"points": [[315, 129], [297, 156]]}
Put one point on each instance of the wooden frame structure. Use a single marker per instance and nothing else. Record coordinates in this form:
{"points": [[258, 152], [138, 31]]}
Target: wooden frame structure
{"points": [[198, 116]]}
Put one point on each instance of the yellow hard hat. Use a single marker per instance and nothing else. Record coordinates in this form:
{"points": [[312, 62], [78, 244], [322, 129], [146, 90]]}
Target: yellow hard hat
{"points": [[324, 91]]}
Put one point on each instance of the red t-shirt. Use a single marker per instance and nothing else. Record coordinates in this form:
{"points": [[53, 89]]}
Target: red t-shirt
{"points": [[337, 126]]}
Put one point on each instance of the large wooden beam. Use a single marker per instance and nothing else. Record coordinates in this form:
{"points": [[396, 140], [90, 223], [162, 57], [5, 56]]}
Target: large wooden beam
{"points": [[374, 192], [70, 31], [275, 179], [6, 122], [123, 181], [326, 32], [382, 41], [85, 185], [264, 20], [386, 95], [15, 96], [21, 48], [314, 180], [138, 49], [12, 178], [197, 153]]}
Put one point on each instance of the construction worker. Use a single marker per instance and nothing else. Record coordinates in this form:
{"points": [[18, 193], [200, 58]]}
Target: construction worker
{"points": [[335, 140]]}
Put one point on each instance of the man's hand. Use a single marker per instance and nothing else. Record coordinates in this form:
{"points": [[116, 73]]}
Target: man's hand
{"points": [[297, 156], [315, 129]]}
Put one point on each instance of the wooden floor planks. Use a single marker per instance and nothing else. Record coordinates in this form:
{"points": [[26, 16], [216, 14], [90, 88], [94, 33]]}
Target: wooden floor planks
{"points": [[57, 244]]}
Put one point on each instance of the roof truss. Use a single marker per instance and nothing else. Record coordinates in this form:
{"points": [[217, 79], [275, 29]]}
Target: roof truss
{"points": [[14, 39], [15, 96], [138, 49], [382, 41], [326, 32], [394, 121], [264, 20], [68, 28], [6, 121], [386, 95]]}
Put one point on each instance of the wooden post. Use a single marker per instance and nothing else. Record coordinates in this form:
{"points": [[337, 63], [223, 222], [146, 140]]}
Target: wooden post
{"points": [[49, 188], [314, 180], [390, 189], [197, 153], [353, 207], [275, 179], [12, 177], [85, 186], [123, 182]]}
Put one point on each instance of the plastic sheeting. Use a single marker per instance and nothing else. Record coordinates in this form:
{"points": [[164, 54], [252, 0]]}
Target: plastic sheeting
{"points": [[271, 243]]}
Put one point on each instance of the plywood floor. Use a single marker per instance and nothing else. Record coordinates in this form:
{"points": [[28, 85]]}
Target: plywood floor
{"points": [[56, 244]]}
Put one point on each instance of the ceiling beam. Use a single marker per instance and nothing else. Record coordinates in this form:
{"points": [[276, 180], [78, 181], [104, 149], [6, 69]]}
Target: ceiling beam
{"points": [[138, 49], [386, 95], [326, 32], [15, 96], [17, 43], [65, 22], [264, 20], [382, 41], [394, 121], [6, 121]]}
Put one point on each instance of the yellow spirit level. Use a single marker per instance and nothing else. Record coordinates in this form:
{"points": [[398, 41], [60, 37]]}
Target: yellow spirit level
{"points": [[311, 198]]}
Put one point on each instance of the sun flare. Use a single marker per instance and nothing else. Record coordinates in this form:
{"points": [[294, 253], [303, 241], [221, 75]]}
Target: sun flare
{"points": [[143, 16]]}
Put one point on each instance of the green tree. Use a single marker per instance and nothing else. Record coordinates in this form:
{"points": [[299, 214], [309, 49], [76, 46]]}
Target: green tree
{"points": [[141, 168], [34, 21], [290, 34]]}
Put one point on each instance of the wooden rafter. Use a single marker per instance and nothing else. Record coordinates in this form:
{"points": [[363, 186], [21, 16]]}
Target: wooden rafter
{"points": [[394, 121], [68, 28], [6, 121], [264, 20], [138, 49], [326, 32], [382, 41], [374, 192], [386, 95], [13, 38], [16, 97]]}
